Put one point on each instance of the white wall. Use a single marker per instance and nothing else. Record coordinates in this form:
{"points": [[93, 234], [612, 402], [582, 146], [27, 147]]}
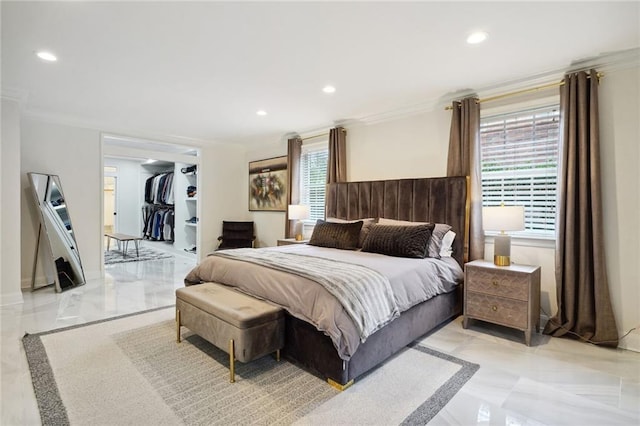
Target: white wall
{"points": [[414, 146], [74, 154], [223, 177], [129, 195], [10, 217], [620, 156]]}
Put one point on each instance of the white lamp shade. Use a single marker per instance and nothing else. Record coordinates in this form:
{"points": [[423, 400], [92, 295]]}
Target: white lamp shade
{"points": [[298, 212], [503, 218]]}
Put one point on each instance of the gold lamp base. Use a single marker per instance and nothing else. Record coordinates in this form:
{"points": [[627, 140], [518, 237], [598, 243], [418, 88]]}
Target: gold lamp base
{"points": [[299, 237], [501, 260], [502, 250]]}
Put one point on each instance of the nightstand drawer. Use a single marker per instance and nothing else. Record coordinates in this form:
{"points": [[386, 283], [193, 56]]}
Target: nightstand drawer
{"points": [[502, 283], [509, 312]]}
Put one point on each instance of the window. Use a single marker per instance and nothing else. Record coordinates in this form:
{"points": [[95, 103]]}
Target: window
{"points": [[520, 164], [313, 178]]}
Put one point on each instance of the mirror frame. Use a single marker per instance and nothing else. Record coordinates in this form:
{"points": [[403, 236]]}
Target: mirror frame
{"points": [[55, 221]]}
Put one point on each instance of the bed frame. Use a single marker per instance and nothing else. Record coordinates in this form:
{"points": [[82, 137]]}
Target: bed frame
{"points": [[437, 200]]}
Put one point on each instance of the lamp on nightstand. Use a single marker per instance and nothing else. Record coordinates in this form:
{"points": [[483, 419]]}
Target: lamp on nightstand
{"points": [[298, 212], [502, 218]]}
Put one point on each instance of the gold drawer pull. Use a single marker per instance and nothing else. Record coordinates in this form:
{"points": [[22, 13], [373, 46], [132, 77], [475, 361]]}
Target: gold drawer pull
{"points": [[495, 283], [494, 308]]}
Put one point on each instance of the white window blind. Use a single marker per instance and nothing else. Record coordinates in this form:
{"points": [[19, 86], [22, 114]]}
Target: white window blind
{"points": [[520, 164], [313, 178]]}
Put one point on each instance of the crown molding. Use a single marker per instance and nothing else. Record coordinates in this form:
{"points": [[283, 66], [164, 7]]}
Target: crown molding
{"points": [[605, 62], [120, 131]]}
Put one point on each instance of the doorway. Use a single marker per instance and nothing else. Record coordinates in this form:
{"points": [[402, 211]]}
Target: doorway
{"points": [[110, 208]]}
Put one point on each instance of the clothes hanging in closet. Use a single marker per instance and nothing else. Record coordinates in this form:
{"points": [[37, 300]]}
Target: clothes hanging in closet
{"points": [[158, 189], [158, 223]]}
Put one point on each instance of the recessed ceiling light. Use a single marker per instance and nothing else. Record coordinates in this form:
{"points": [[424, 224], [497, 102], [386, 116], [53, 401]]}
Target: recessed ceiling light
{"points": [[477, 37], [46, 56], [328, 89], [261, 112]]}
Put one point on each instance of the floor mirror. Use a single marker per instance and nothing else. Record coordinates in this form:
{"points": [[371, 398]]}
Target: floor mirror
{"points": [[56, 245]]}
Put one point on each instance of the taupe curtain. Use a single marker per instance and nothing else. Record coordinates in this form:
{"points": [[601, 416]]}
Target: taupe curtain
{"points": [[464, 160], [294, 149], [337, 165], [584, 306]]}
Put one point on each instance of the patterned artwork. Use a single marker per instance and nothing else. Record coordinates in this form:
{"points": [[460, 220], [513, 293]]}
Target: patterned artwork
{"points": [[268, 184]]}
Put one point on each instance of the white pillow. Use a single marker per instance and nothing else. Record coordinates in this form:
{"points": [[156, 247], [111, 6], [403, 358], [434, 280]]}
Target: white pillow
{"points": [[394, 222], [447, 243]]}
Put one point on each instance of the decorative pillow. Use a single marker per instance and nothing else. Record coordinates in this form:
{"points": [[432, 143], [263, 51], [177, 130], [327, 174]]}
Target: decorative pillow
{"points": [[366, 226], [447, 244], [343, 236], [435, 245], [399, 241]]}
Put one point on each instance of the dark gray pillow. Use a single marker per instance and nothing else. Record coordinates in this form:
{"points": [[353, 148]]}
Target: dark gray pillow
{"points": [[435, 244], [343, 236], [399, 241], [366, 226]]}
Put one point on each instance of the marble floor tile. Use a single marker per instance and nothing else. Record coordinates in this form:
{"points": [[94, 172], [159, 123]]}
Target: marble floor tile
{"points": [[556, 407], [468, 410]]}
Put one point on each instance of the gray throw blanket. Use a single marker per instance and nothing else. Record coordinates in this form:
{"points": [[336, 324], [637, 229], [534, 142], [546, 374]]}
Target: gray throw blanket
{"points": [[365, 294]]}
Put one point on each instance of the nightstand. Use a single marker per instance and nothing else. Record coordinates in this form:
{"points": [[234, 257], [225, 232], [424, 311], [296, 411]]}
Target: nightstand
{"points": [[505, 295], [287, 241]]}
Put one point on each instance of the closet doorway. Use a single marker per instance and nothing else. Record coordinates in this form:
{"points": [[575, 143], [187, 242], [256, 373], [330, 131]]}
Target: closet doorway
{"points": [[151, 192], [110, 208]]}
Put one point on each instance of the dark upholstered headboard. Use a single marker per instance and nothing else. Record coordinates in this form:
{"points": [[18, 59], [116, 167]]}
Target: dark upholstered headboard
{"points": [[436, 200]]}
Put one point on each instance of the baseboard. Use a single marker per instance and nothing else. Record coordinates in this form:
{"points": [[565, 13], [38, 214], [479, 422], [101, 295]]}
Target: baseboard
{"points": [[94, 275], [631, 342], [543, 321], [25, 283], [14, 298]]}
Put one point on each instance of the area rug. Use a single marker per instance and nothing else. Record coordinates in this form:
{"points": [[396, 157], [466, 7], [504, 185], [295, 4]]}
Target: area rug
{"points": [[130, 370], [145, 253]]}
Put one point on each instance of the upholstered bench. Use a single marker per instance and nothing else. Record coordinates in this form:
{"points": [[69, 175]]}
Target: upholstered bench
{"points": [[243, 326]]}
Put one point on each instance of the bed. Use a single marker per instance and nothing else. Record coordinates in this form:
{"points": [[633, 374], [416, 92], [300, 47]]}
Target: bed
{"points": [[338, 356]]}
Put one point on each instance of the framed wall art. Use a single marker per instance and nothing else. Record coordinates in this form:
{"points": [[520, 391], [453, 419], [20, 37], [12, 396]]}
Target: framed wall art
{"points": [[268, 184]]}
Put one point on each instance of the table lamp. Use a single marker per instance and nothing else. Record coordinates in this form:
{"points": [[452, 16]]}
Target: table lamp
{"points": [[502, 218], [298, 212]]}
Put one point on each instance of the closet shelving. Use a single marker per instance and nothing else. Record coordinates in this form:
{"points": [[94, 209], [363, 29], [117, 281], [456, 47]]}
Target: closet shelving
{"points": [[187, 184]]}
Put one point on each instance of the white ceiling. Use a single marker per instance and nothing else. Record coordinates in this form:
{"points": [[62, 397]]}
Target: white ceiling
{"points": [[201, 70]]}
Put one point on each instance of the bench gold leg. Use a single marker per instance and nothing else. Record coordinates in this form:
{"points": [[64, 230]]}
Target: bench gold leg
{"points": [[232, 360], [278, 355], [178, 326]]}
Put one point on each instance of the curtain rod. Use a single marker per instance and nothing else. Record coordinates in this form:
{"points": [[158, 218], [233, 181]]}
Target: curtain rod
{"points": [[318, 135], [599, 75]]}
